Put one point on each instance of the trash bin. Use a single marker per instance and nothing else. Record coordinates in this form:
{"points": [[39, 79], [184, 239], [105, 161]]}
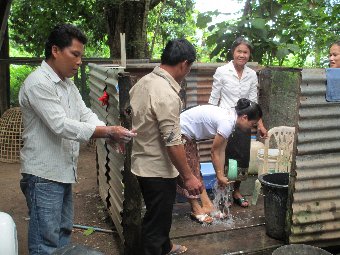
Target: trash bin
{"points": [[275, 191], [300, 249]]}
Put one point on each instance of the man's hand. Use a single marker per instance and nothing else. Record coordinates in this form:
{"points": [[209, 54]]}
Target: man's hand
{"points": [[120, 134], [193, 186]]}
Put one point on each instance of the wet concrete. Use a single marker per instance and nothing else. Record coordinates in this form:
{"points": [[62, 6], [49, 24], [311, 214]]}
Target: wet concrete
{"points": [[242, 233]]}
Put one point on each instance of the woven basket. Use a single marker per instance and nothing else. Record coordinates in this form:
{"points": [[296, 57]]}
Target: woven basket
{"points": [[11, 128]]}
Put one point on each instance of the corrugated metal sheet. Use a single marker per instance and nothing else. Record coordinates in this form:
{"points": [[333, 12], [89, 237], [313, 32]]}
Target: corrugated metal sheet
{"points": [[110, 163], [315, 212], [97, 77], [102, 179]]}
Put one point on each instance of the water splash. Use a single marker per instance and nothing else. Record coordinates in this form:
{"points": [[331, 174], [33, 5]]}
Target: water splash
{"points": [[222, 201]]}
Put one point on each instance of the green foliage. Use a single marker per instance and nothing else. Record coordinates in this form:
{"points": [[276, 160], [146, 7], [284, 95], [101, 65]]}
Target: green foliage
{"points": [[277, 29], [31, 21], [88, 231], [18, 74], [170, 25]]}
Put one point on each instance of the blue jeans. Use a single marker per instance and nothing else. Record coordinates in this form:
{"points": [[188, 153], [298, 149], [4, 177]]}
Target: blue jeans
{"points": [[50, 209]]}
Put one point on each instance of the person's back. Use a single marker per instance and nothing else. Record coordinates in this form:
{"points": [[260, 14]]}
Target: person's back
{"points": [[205, 121], [152, 98]]}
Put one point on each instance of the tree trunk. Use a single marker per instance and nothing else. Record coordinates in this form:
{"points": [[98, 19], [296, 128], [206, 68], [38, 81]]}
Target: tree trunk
{"points": [[4, 66], [129, 17]]}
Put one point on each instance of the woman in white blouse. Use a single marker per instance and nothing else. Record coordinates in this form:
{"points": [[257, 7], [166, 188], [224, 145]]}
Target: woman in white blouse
{"points": [[231, 82], [212, 122]]}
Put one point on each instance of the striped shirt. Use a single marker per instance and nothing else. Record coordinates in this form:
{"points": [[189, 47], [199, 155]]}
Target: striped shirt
{"points": [[55, 120]]}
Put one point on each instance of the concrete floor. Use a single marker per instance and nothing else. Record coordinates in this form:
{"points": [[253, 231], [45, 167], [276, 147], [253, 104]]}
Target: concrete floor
{"points": [[244, 233]]}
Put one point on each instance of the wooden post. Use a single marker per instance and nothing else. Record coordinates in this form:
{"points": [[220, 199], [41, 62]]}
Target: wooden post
{"points": [[132, 205], [122, 50], [4, 54], [4, 18]]}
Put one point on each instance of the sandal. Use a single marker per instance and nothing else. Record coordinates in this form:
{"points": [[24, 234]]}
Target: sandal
{"points": [[201, 218], [240, 201], [177, 249], [218, 215]]}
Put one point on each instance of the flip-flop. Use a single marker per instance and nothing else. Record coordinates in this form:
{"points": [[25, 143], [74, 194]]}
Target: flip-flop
{"points": [[239, 201], [177, 249], [218, 215], [201, 218]]}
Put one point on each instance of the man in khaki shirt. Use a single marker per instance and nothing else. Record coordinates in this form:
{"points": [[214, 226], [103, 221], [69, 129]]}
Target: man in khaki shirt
{"points": [[158, 154]]}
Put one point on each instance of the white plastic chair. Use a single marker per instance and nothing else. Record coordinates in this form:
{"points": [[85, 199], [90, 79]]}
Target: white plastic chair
{"points": [[284, 140]]}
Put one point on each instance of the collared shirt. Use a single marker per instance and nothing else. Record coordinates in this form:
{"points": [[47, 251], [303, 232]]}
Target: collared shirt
{"points": [[205, 121], [227, 88], [156, 108], [55, 120]]}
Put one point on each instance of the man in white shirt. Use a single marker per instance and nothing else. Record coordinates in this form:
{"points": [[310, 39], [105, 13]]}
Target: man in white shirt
{"points": [[55, 121]]}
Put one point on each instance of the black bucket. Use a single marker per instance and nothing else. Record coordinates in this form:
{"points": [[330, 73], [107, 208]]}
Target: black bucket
{"points": [[300, 249], [275, 191]]}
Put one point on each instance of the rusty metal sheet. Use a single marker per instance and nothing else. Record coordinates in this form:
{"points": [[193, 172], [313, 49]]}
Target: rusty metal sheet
{"points": [[315, 213]]}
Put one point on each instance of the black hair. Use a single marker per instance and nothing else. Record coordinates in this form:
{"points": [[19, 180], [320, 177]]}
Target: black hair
{"points": [[177, 51], [62, 36], [335, 43], [238, 41], [251, 109]]}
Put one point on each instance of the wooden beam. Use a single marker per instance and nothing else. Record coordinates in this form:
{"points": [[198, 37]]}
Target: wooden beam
{"points": [[122, 50], [4, 54], [5, 21]]}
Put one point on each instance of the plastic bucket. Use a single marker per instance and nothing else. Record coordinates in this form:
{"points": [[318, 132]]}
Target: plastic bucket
{"points": [[275, 191], [300, 249]]}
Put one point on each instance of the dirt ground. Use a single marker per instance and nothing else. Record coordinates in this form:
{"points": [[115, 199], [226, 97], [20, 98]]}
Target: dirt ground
{"points": [[88, 207]]}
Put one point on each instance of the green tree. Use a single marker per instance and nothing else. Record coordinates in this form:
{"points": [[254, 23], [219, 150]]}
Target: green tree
{"points": [[277, 29], [166, 21], [102, 20]]}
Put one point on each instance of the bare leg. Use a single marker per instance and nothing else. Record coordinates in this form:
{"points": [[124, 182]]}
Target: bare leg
{"points": [[237, 194], [198, 213], [207, 205], [196, 208]]}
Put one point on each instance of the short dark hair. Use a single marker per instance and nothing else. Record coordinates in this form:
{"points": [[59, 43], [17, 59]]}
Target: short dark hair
{"points": [[177, 51], [335, 43], [238, 41], [62, 36], [251, 109]]}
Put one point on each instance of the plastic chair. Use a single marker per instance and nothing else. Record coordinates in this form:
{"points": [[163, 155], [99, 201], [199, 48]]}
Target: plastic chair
{"points": [[284, 141]]}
